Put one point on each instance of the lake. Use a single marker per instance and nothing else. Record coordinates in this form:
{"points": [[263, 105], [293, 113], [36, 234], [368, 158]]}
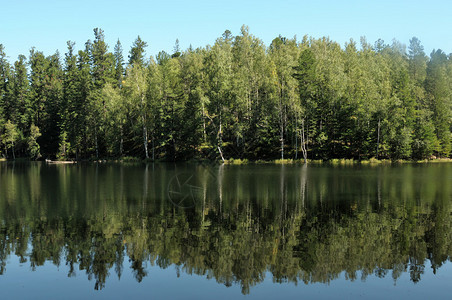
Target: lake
{"points": [[203, 231]]}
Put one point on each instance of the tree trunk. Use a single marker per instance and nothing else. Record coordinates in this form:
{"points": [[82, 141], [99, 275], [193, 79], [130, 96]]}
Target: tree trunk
{"points": [[282, 140], [378, 137], [204, 124], [281, 120], [296, 138], [121, 142], [221, 153], [303, 143], [145, 137], [143, 119], [220, 140], [153, 149]]}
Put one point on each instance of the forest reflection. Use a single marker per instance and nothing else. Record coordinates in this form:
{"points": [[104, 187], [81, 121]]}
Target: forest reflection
{"points": [[301, 224]]}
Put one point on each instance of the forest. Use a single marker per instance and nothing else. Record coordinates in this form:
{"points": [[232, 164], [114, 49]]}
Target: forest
{"points": [[238, 98]]}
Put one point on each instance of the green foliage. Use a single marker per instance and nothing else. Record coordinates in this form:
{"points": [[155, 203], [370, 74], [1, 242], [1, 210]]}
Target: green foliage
{"points": [[33, 146], [10, 137], [439, 99], [64, 147], [119, 63], [234, 99], [136, 56]]}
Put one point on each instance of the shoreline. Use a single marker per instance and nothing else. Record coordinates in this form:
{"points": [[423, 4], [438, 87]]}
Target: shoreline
{"points": [[232, 161]]}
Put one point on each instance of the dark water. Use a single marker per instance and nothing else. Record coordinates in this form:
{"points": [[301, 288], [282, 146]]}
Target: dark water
{"points": [[256, 231]]}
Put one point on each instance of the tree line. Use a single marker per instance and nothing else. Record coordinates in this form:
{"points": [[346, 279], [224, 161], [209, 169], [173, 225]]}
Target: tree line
{"points": [[237, 98]]}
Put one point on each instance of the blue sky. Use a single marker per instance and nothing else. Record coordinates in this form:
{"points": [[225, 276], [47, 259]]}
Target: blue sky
{"points": [[48, 24]]}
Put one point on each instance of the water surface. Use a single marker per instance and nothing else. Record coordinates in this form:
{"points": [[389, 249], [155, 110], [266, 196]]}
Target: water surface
{"points": [[203, 231]]}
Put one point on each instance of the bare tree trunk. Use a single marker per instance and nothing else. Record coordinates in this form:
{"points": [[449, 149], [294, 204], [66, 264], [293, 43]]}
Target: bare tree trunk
{"points": [[378, 137], [281, 120], [296, 138], [143, 119], [303, 143], [204, 124], [145, 136], [307, 137], [153, 148], [282, 140], [220, 140], [221, 153]]}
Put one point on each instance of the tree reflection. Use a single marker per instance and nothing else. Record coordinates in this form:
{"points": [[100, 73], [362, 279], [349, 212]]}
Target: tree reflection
{"points": [[273, 224]]}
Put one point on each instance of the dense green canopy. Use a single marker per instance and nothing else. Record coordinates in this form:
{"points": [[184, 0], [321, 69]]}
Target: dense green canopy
{"points": [[235, 99]]}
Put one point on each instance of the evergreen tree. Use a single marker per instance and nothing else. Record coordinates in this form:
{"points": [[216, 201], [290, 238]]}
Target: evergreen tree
{"points": [[235, 99], [55, 105], [119, 63], [19, 108], [78, 136], [191, 131], [418, 61], [4, 75], [439, 99], [136, 54]]}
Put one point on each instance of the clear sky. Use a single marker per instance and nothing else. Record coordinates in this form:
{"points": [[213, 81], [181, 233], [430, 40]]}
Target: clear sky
{"points": [[48, 24]]}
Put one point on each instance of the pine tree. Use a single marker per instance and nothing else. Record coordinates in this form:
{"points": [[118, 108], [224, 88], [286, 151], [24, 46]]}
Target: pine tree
{"points": [[4, 75], [119, 63], [438, 90], [136, 54]]}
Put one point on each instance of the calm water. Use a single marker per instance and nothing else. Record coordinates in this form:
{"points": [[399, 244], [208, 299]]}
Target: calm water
{"points": [[256, 231]]}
